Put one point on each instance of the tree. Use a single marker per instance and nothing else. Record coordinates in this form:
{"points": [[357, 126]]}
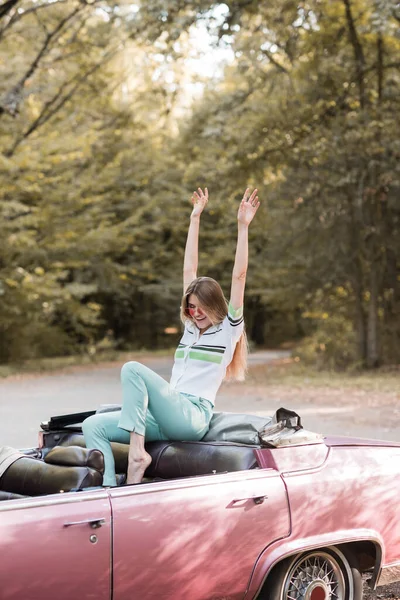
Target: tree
{"points": [[315, 117], [99, 159]]}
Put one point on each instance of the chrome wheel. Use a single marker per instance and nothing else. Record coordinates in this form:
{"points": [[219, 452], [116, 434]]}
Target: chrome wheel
{"points": [[317, 576], [325, 574]]}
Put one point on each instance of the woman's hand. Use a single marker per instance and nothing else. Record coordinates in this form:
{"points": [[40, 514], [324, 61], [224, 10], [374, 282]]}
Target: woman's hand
{"points": [[248, 207], [199, 201]]}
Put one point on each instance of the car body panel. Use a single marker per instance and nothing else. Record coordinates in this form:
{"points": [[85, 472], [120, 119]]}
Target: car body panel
{"points": [[189, 539], [204, 537], [338, 440], [42, 559], [352, 496], [289, 458]]}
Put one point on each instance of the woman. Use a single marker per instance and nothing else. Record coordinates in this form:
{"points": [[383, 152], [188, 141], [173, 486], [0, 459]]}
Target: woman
{"points": [[213, 345]]}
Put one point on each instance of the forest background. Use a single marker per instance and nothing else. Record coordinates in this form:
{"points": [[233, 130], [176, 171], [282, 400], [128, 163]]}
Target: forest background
{"points": [[106, 129]]}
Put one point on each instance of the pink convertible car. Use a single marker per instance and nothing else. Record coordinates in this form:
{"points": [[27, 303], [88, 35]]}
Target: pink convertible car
{"points": [[249, 512]]}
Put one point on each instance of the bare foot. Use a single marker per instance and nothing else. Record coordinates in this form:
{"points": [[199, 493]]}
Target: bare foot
{"points": [[137, 467]]}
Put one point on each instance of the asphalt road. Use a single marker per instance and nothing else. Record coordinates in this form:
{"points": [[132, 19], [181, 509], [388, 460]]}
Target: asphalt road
{"points": [[26, 401]]}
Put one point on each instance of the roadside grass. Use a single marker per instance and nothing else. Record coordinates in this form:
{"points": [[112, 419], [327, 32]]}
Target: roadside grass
{"points": [[44, 365], [289, 373]]}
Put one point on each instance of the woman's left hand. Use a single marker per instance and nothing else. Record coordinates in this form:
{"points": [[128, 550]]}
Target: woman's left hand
{"points": [[248, 207]]}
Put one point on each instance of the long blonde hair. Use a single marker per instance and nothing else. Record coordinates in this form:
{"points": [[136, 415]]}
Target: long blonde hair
{"points": [[215, 305]]}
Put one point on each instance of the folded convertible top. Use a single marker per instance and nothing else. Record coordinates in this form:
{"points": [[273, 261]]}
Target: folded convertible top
{"points": [[284, 428]]}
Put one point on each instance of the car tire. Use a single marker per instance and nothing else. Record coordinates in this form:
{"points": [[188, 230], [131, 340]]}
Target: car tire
{"points": [[323, 574]]}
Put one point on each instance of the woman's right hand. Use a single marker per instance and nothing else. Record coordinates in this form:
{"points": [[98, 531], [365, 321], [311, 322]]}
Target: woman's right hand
{"points": [[199, 201]]}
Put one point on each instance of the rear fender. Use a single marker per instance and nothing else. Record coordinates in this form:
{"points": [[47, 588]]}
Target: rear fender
{"points": [[287, 547]]}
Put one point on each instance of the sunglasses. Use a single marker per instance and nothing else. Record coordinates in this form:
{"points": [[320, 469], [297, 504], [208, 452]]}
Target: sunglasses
{"points": [[191, 311]]}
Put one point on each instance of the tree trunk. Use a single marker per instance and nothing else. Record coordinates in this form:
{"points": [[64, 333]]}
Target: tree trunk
{"points": [[373, 320], [361, 329], [357, 276], [259, 317]]}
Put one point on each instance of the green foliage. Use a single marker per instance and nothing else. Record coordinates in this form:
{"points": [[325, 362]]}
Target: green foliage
{"points": [[99, 155], [331, 342], [309, 109]]}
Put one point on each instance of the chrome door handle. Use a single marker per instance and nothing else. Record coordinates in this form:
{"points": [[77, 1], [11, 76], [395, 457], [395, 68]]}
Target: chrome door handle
{"points": [[93, 523], [256, 499]]}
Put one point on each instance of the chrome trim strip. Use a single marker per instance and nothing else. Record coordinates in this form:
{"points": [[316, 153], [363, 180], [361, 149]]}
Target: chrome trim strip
{"points": [[62, 498], [192, 482], [142, 488]]}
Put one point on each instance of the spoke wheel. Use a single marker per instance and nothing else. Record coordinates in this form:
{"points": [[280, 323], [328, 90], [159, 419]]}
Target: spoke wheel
{"points": [[318, 575]]}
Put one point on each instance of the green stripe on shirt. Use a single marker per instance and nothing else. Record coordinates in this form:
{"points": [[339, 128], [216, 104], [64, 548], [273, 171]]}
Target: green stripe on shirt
{"points": [[214, 358], [235, 313], [179, 354]]}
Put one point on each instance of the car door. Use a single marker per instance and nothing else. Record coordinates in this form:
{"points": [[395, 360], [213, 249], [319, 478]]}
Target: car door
{"points": [[195, 538], [56, 547]]}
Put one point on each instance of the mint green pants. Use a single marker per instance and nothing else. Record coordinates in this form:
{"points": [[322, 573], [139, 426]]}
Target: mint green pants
{"points": [[151, 408]]}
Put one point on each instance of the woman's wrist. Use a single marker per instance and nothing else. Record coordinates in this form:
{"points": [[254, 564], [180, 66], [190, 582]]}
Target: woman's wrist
{"points": [[195, 217]]}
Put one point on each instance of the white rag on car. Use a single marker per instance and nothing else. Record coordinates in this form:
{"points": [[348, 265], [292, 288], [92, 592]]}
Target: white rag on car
{"points": [[8, 456]]}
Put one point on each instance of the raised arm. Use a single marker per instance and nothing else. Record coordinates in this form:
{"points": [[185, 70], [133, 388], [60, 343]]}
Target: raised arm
{"points": [[190, 262], [247, 209]]}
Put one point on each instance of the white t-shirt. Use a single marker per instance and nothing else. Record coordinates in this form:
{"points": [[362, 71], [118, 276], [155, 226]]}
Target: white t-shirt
{"points": [[201, 361]]}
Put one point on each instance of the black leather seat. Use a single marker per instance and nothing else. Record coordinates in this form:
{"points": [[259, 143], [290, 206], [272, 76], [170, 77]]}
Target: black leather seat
{"points": [[63, 469], [186, 459], [70, 466], [176, 459]]}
